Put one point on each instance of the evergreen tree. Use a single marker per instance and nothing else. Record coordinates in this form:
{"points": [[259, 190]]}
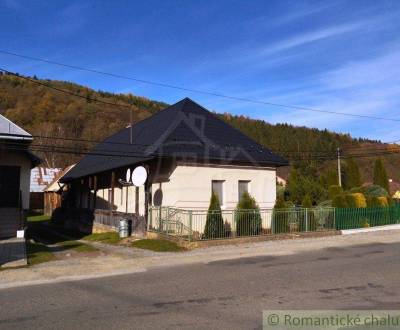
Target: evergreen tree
{"points": [[214, 222], [380, 175], [352, 177], [248, 217], [306, 202], [294, 187]]}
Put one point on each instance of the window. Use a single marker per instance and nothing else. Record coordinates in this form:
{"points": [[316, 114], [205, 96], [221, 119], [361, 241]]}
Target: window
{"points": [[243, 186], [217, 187]]}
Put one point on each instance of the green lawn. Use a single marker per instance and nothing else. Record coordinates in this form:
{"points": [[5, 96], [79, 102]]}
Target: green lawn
{"points": [[36, 218], [108, 238], [49, 235], [157, 245], [38, 253]]}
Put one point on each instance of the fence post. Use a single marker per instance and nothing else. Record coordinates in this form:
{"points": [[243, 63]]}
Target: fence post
{"points": [[160, 220], [307, 224], [273, 221], [167, 219], [334, 218], [190, 225], [150, 223]]}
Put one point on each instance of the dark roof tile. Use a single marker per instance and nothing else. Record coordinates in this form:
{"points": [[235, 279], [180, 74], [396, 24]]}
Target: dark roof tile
{"points": [[184, 129]]}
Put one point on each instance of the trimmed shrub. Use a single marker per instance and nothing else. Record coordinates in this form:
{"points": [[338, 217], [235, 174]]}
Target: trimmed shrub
{"points": [[214, 222], [248, 217], [307, 202], [340, 201], [378, 202], [335, 190], [280, 203], [356, 200], [371, 191]]}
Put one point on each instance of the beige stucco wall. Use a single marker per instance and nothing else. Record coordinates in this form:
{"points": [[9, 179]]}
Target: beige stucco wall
{"points": [[189, 186], [15, 158]]}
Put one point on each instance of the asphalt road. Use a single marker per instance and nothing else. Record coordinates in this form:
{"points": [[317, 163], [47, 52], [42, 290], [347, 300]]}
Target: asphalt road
{"points": [[227, 294]]}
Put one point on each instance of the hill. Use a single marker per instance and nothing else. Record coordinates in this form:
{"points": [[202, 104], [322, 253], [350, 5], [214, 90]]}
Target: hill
{"points": [[48, 112]]}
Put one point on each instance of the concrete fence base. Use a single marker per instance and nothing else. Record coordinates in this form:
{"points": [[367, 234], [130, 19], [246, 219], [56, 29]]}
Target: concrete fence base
{"points": [[240, 240]]}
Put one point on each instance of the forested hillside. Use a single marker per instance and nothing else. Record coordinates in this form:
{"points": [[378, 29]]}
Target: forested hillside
{"points": [[50, 112]]}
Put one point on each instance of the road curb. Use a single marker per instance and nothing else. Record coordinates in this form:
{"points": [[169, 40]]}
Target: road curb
{"points": [[370, 230]]}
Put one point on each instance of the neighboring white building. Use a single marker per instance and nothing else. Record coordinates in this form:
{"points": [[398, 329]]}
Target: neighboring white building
{"points": [[188, 153], [16, 162]]}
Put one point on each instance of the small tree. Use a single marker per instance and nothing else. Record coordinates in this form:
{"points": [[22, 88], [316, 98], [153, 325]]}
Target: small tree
{"points": [[340, 201], [306, 202], [280, 202], [380, 175], [214, 222], [248, 217], [353, 175], [334, 190]]}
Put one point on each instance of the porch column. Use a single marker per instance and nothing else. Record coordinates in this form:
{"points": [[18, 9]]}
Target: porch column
{"points": [[111, 204], [88, 191], [94, 191]]}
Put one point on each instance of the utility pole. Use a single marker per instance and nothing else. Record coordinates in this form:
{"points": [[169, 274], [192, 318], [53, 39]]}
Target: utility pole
{"points": [[131, 128], [338, 167]]}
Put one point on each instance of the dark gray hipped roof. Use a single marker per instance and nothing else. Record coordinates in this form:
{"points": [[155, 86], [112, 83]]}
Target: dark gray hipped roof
{"points": [[184, 130]]}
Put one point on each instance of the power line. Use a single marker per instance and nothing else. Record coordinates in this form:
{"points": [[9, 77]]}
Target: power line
{"points": [[280, 151], [110, 153], [211, 93]]}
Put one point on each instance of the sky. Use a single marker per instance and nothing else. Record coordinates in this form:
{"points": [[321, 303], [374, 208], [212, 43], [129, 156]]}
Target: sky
{"points": [[330, 55]]}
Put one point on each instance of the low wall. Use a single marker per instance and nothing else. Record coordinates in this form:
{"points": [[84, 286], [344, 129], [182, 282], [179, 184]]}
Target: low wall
{"points": [[97, 221], [241, 240]]}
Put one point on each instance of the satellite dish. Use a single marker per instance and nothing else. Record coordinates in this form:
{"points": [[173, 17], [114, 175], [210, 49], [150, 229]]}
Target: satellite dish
{"points": [[128, 175], [139, 176]]}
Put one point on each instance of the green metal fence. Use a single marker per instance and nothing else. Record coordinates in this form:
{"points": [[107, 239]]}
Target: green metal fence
{"points": [[351, 218], [194, 225]]}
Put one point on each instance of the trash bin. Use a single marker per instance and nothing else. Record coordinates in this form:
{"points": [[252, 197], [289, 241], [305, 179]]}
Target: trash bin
{"points": [[123, 228]]}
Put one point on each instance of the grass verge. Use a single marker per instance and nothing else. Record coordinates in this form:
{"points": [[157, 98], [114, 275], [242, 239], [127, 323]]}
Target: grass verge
{"points": [[47, 235], [38, 253], [38, 218], [108, 238], [157, 245]]}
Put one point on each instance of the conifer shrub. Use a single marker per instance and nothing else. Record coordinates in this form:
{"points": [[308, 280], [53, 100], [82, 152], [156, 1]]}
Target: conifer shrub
{"points": [[214, 223], [380, 201], [306, 202], [280, 202], [248, 217], [356, 200], [340, 201], [334, 190]]}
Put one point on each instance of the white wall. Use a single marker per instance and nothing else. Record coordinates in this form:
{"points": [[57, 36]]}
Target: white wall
{"points": [[189, 186], [15, 158]]}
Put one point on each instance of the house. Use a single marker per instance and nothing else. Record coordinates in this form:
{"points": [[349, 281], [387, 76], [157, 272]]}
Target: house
{"points": [[53, 192], [16, 162], [187, 152], [41, 177], [281, 181]]}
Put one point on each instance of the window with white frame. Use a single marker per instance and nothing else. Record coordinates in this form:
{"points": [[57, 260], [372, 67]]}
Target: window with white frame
{"points": [[217, 186], [243, 186]]}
